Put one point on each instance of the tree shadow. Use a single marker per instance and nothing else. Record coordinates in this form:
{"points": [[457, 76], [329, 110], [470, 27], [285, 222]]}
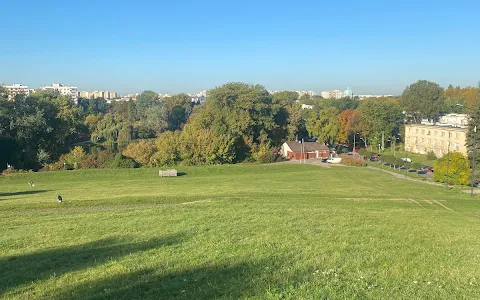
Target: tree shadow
{"points": [[31, 192], [181, 174], [19, 270], [225, 281]]}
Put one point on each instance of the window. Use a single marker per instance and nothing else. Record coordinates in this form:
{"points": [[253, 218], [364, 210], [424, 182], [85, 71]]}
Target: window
{"points": [[423, 131], [416, 130], [457, 136], [443, 133], [434, 142], [428, 141], [457, 147]]}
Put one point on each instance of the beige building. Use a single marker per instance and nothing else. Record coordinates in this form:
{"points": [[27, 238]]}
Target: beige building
{"points": [[420, 138], [17, 89]]}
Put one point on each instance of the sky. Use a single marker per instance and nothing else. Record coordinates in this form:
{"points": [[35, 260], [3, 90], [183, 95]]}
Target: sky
{"points": [[373, 47]]}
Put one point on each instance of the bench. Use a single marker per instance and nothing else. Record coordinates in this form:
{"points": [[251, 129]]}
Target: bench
{"points": [[168, 173]]}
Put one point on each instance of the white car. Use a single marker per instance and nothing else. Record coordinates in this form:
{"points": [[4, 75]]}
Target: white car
{"points": [[405, 159], [334, 160]]}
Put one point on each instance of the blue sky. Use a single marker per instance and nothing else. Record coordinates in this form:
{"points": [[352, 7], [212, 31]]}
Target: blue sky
{"points": [[188, 46]]}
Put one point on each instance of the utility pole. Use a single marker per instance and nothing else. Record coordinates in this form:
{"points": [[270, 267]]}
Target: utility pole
{"points": [[448, 156], [383, 141], [474, 157]]}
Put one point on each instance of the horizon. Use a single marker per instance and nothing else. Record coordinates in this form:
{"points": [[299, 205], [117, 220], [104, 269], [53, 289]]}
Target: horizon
{"points": [[373, 48]]}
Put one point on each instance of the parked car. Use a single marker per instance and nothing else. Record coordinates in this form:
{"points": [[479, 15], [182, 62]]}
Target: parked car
{"points": [[427, 168], [406, 159]]}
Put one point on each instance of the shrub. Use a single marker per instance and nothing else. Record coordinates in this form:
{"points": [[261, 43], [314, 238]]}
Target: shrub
{"points": [[407, 165], [119, 161], [352, 161], [399, 162], [167, 147], [11, 170], [431, 155], [362, 151], [416, 165], [141, 151], [457, 166], [90, 162], [104, 158]]}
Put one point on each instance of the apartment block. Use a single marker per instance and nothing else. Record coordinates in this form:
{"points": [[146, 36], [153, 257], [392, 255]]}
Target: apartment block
{"points": [[69, 91], [17, 89], [420, 138]]}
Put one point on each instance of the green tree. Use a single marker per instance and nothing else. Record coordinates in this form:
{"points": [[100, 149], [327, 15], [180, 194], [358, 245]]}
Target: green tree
{"points": [[423, 99], [146, 100], [457, 166], [324, 125], [380, 116], [285, 98]]}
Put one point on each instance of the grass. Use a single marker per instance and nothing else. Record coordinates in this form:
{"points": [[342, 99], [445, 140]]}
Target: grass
{"points": [[420, 158], [280, 231]]}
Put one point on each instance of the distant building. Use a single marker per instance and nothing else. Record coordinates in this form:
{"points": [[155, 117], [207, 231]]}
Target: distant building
{"points": [[455, 120], [69, 91], [361, 97], [17, 89], [306, 106], [441, 139], [335, 94]]}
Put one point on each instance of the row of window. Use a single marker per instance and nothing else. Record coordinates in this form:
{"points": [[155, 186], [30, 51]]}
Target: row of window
{"points": [[457, 135]]}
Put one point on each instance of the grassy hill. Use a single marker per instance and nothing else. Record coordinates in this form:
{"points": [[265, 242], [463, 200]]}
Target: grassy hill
{"points": [[239, 231]]}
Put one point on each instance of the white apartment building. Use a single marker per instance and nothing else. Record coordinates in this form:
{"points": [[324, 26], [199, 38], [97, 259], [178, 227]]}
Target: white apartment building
{"points": [[17, 89], [70, 91], [335, 94]]}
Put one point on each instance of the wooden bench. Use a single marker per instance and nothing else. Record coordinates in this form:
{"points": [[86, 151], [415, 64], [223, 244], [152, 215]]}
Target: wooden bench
{"points": [[168, 173]]}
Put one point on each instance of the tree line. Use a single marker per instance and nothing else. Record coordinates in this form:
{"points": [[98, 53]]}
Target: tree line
{"points": [[239, 122]]}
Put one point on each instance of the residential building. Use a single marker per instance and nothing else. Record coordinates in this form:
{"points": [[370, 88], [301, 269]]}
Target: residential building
{"points": [[337, 94], [70, 91], [17, 89], [306, 106], [305, 150], [421, 138], [361, 97], [455, 120]]}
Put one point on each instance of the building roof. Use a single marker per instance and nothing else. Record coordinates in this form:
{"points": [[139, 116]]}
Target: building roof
{"points": [[309, 146]]}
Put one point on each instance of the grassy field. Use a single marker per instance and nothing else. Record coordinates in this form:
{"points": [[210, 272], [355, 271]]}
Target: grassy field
{"points": [[280, 231]]}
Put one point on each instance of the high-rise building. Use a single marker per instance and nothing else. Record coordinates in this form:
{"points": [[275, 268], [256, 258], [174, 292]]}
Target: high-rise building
{"points": [[17, 89], [335, 94], [69, 91]]}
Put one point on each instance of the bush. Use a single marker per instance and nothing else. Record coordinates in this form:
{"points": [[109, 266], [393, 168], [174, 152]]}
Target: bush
{"points": [[119, 161], [416, 165], [12, 171], [399, 162], [352, 161], [141, 151], [458, 168], [407, 165], [431, 155]]}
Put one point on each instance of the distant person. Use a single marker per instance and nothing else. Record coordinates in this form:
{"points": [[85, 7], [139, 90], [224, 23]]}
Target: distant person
{"points": [[59, 199], [31, 183]]}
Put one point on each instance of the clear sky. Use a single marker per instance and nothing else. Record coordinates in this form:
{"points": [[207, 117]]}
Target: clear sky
{"points": [[188, 46]]}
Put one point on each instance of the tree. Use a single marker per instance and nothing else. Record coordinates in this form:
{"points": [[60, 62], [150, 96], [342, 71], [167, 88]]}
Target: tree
{"points": [[380, 116], [349, 124], [473, 139], [423, 99], [146, 100], [240, 112], [178, 108], [285, 98], [168, 146], [457, 166], [140, 151], [324, 125]]}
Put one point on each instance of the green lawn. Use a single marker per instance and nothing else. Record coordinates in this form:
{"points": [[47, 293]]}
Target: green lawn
{"points": [[280, 231]]}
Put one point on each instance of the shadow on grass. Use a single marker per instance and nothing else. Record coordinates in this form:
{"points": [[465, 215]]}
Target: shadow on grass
{"points": [[22, 193], [225, 281], [19, 270]]}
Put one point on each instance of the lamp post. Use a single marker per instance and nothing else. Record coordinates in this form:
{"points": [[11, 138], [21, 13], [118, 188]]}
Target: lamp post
{"points": [[448, 157], [473, 158]]}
